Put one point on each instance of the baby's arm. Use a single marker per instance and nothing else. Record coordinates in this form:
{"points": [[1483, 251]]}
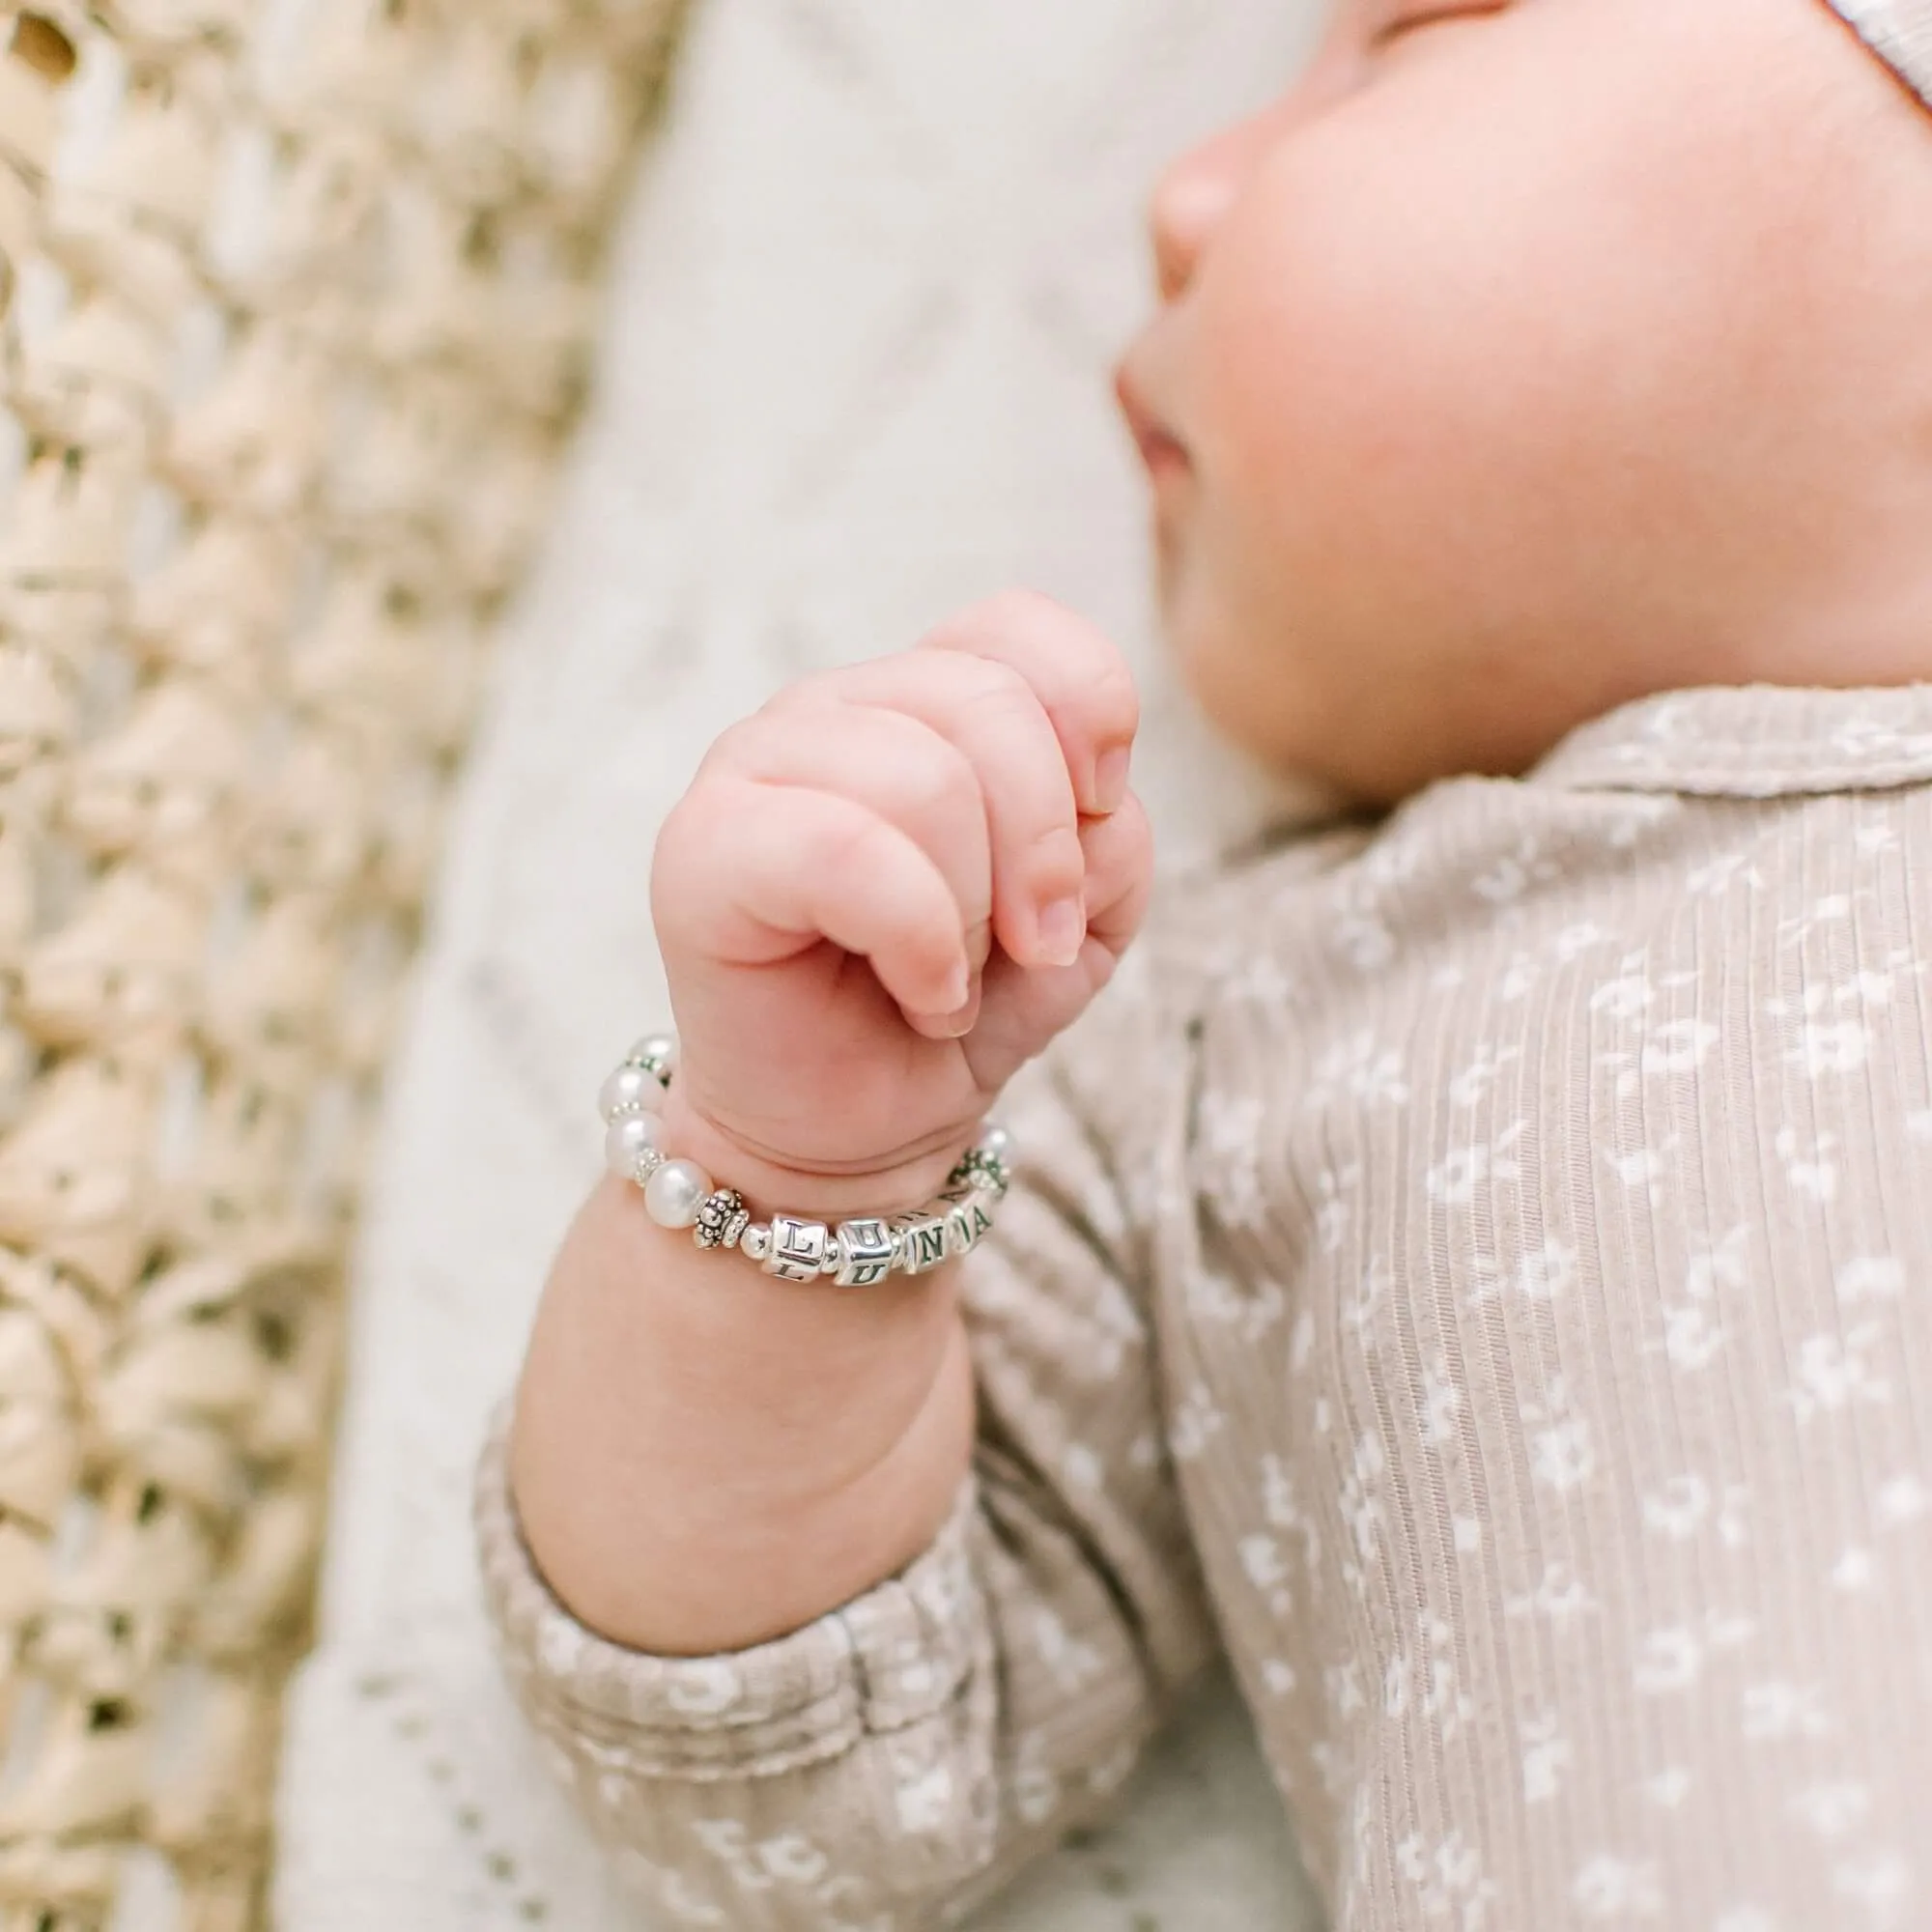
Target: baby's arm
{"points": [[711, 1472]]}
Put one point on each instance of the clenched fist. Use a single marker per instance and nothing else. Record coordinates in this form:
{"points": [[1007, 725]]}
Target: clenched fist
{"points": [[886, 891]]}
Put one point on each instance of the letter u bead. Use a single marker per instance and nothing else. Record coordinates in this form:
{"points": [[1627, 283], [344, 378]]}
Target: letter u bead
{"points": [[865, 1253]]}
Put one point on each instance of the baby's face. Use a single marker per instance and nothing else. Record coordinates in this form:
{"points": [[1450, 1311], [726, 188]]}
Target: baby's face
{"points": [[1534, 355]]}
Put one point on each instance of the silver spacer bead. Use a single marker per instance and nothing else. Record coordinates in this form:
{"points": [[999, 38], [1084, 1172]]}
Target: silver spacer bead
{"points": [[835, 1256], [756, 1242]]}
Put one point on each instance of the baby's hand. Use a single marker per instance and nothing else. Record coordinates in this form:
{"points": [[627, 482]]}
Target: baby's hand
{"points": [[888, 889]]}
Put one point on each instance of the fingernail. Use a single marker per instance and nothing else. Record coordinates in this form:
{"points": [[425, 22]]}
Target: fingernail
{"points": [[955, 1024], [1110, 779], [958, 983], [1063, 927]]}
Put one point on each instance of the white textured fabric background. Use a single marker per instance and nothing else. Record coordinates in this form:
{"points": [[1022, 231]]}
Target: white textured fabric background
{"points": [[864, 307]]}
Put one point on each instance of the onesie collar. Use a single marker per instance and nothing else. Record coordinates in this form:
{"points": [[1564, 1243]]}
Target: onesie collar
{"points": [[1755, 741]]}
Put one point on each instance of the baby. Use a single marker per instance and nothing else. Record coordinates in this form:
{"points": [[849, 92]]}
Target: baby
{"points": [[1473, 1268]]}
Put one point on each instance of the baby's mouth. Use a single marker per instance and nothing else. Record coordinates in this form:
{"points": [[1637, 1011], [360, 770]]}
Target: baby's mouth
{"points": [[1163, 452]]}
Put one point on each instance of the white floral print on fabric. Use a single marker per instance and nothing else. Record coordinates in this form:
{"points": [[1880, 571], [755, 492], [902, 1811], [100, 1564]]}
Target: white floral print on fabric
{"points": [[1502, 1320]]}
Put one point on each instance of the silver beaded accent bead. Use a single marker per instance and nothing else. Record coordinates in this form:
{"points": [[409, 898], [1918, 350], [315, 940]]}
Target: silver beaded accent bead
{"points": [[866, 1250], [797, 1248], [721, 1220], [983, 1166]]}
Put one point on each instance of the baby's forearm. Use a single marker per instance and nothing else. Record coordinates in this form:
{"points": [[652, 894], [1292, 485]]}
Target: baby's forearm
{"points": [[705, 1458]]}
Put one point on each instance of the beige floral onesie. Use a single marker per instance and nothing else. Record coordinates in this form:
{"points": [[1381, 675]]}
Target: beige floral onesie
{"points": [[1474, 1270]]}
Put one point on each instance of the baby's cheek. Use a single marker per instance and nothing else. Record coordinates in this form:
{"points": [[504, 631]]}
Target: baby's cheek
{"points": [[1366, 353], [1331, 475]]}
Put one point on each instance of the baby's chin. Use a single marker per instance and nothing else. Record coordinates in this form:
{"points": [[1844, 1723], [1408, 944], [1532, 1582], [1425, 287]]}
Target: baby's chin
{"points": [[1228, 671], [1316, 716], [1185, 629]]}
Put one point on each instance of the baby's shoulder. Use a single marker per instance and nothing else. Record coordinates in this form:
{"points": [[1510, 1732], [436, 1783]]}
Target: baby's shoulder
{"points": [[1520, 1002], [1488, 907], [1483, 867]]}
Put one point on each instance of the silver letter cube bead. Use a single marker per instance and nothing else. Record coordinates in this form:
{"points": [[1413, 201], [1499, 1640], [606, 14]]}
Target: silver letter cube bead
{"points": [[923, 1242], [797, 1248], [967, 1225], [867, 1250]]}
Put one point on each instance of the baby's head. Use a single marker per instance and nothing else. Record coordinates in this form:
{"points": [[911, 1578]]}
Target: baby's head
{"points": [[1534, 355]]}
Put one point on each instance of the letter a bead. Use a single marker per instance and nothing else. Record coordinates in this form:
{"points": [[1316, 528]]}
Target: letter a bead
{"points": [[966, 1226]]}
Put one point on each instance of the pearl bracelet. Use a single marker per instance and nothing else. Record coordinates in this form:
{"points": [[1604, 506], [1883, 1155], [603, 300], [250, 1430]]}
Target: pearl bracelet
{"points": [[857, 1254]]}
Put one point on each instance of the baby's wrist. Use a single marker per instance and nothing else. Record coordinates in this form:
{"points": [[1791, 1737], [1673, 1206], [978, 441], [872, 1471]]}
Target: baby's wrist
{"points": [[901, 1183]]}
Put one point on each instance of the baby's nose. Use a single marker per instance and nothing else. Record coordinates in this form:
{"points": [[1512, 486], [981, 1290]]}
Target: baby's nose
{"points": [[1188, 207], [1193, 197]]}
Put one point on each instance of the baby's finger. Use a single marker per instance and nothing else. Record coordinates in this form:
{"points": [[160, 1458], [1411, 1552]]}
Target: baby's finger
{"points": [[891, 764], [1074, 669], [990, 714], [900, 767], [1022, 1010], [751, 873], [1120, 873]]}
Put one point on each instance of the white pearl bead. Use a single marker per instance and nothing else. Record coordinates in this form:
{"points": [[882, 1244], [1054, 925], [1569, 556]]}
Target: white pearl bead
{"points": [[655, 1046], [631, 1090], [675, 1193], [626, 1140]]}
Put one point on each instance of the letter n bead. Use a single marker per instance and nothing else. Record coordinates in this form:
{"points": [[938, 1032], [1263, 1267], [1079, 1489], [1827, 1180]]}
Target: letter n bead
{"points": [[797, 1248], [867, 1248], [921, 1241]]}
